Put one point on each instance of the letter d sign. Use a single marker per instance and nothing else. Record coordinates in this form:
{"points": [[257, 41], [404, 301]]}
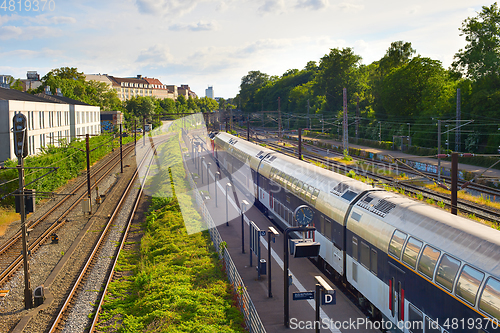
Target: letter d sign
{"points": [[329, 299]]}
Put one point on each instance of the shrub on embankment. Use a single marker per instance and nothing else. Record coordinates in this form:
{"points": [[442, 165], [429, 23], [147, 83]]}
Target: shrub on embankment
{"points": [[69, 161], [176, 281]]}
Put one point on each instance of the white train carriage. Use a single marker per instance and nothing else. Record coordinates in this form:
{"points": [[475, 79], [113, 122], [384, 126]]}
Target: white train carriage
{"points": [[414, 264]]}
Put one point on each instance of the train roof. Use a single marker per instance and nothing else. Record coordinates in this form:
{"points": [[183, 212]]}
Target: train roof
{"points": [[468, 240]]}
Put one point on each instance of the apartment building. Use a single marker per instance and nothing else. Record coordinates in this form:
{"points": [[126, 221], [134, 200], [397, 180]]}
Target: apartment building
{"points": [[51, 119], [128, 87]]}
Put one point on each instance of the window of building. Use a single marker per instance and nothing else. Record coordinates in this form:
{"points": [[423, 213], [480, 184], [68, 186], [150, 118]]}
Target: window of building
{"points": [[468, 284], [446, 271], [428, 261]]}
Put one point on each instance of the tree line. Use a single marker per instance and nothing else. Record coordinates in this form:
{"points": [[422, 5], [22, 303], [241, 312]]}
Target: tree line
{"points": [[73, 85], [403, 93]]}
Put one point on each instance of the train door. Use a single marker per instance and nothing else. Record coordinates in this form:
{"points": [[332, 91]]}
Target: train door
{"points": [[397, 293]]}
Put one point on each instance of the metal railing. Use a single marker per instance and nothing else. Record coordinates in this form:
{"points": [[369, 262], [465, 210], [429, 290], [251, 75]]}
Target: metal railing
{"points": [[252, 319]]}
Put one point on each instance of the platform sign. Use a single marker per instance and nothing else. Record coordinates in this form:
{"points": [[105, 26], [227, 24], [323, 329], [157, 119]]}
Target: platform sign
{"points": [[303, 295], [329, 299]]}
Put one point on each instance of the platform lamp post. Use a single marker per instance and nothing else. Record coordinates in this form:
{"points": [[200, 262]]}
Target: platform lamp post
{"points": [[217, 176], [228, 186], [208, 176], [272, 233], [244, 205], [201, 169]]}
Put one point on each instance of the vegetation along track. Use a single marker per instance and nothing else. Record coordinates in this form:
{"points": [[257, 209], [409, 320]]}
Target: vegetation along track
{"points": [[50, 221], [90, 286]]}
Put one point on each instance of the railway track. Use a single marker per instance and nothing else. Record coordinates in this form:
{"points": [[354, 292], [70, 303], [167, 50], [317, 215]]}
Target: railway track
{"points": [[43, 227], [105, 246], [484, 189], [464, 206]]}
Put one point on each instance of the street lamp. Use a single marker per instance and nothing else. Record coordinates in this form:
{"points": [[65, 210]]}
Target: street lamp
{"points": [[409, 134], [228, 185], [244, 203], [208, 177], [201, 170], [217, 176]]}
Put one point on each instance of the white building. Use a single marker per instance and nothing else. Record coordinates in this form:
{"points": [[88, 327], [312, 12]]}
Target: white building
{"points": [[50, 120], [209, 92]]}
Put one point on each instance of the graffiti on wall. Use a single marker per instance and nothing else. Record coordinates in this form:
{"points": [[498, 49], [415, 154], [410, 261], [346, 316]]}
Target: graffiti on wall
{"points": [[106, 126]]}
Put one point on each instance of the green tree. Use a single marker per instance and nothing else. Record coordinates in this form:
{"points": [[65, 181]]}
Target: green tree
{"points": [[338, 70], [481, 56], [250, 83]]}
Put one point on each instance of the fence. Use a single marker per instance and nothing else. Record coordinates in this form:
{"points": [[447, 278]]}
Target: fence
{"points": [[252, 319]]}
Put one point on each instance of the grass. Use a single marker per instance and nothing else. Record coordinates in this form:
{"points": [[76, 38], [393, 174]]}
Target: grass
{"points": [[7, 216], [178, 283]]}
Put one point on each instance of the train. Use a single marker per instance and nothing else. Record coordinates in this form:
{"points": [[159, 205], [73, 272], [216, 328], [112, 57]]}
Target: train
{"points": [[414, 265]]}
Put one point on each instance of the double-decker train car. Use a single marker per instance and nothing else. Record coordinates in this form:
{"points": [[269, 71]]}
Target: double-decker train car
{"points": [[417, 266]]}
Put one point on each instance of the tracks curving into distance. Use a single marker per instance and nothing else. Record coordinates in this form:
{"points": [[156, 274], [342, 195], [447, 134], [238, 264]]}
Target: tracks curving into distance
{"points": [[51, 221]]}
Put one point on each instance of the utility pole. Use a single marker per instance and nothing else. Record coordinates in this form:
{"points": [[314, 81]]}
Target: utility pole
{"points": [[308, 118], [457, 133], [21, 151], [454, 181], [345, 133], [439, 150], [357, 118], [121, 150], [87, 145], [144, 130], [279, 119], [135, 132], [300, 143], [248, 128]]}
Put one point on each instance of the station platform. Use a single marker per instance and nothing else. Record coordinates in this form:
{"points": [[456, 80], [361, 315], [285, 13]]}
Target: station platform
{"points": [[476, 170], [344, 316]]}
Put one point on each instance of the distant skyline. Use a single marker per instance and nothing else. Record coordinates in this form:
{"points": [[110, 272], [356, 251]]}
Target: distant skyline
{"points": [[215, 43]]}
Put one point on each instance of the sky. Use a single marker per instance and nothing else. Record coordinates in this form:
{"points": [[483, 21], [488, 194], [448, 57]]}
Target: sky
{"points": [[215, 43]]}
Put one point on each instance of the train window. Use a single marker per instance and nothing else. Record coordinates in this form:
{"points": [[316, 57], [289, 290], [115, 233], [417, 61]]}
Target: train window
{"points": [[428, 261], [328, 229], [309, 192], [365, 255], [396, 245], [314, 196], [355, 248], [446, 271], [468, 284], [490, 298], [303, 192], [294, 184], [431, 326], [415, 319], [299, 188], [373, 261], [412, 249]]}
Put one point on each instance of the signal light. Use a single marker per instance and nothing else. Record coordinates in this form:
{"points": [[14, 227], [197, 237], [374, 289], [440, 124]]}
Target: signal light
{"points": [[20, 135]]}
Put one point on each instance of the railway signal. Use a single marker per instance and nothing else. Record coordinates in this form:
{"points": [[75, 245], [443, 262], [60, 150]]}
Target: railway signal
{"points": [[21, 150]]}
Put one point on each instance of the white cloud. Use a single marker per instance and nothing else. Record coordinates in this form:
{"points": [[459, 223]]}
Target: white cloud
{"points": [[166, 7], [272, 7], [156, 56], [312, 4], [26, 33], [200, 26], [345, 6]]}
